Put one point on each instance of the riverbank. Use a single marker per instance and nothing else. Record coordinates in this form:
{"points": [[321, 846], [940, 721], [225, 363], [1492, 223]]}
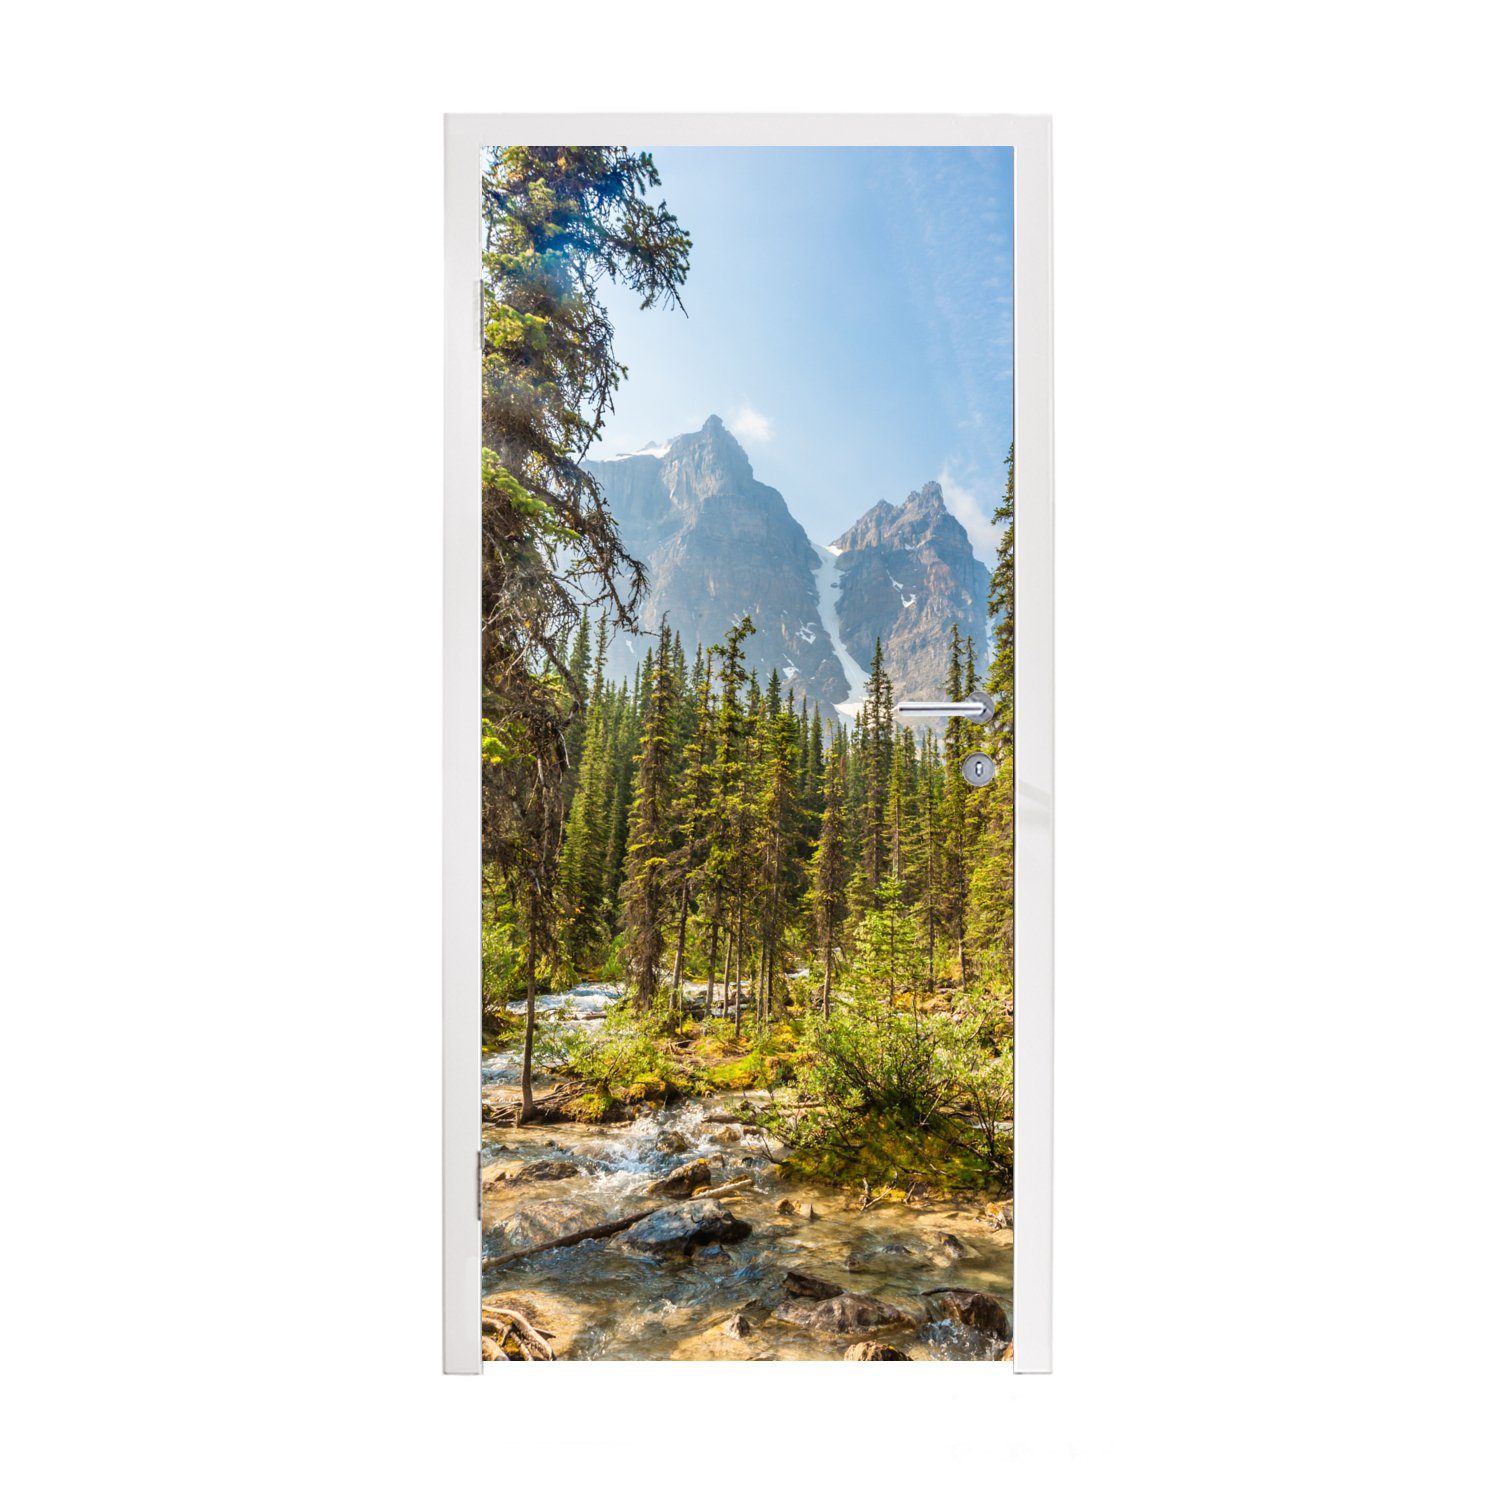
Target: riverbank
{"points": [[730, 1255]]}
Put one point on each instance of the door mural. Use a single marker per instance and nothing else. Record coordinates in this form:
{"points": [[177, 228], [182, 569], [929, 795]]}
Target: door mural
{"points": [[747, 929]]}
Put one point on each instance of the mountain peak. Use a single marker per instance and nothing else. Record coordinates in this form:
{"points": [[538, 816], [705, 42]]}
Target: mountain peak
{"points": [[713, 448], [927, 499]]}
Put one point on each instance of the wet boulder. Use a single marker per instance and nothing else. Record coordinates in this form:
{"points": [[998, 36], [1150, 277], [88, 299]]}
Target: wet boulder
{"points": [[672, 1143], [980, 1310], [885, 1255], [949, 1249], [795, 1210], [844, 1314], [546, 1171], [680, 1181], [736, 1326], [681, 1229], [539, 1222], [868, 1349], [799, 1284]]}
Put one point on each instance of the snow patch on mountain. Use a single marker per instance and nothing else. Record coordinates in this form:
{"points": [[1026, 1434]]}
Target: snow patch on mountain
{"points": [[857, 677]]}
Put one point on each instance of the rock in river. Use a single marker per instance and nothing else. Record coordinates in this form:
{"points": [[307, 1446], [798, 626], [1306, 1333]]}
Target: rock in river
{"points": [[949, 1248], [539, 1222], [798, 1284], [843, 1314], [680, 1181], [546, 1171], [871, 1350], [884, 1254], [676, 1231], [979, 1310]]}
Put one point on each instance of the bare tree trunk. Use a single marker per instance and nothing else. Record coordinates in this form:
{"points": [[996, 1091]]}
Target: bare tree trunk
{"points": [[682, 914], [931, 902], [713, 959], [762, 985], [827, 969], [531, 935], [963, 901], [739, 957], [728, 963], [770, 968]]}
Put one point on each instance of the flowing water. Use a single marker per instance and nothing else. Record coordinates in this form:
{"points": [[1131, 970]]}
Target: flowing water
{"points": [[603, 1302]]}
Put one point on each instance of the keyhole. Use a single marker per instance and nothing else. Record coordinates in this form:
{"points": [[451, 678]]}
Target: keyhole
{"points": [[978, 768]]}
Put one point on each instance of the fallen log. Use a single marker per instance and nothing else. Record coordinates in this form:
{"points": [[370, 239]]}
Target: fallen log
{"points": [[597, 1232], [725, 1188]]}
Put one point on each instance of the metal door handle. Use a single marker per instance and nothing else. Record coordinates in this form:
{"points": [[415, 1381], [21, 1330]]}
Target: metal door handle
{"points": [[978, 708]]}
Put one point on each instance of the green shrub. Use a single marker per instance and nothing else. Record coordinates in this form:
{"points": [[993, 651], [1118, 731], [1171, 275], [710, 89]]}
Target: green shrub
{"points": [[880, 1093]]}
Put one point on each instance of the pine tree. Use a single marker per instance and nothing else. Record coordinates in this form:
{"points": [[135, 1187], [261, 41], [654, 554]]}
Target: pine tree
{"points": [[956, 740], [1002, 607], [933, 852], [879, 718], [692, 813], [578, 673], [723, 873], [549, 373], [779, 821], [829, 896], [888, 955], [645, 894], [993, 886]]}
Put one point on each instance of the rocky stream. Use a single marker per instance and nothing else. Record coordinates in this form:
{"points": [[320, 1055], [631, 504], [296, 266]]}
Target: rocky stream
{"points": [[714, 1250]]}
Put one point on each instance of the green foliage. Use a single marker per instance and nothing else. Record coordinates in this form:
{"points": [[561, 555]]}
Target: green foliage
{"points": [[502, 952], [888, 954], [882, 1093], [626, 1057]]}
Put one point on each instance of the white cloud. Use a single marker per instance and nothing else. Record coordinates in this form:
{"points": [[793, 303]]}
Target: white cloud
{"points": [[749, 425], [974, 515]]}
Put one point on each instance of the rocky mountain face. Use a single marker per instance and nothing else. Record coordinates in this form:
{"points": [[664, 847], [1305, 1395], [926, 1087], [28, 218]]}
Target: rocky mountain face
{"points": [[907, 573], [719, 545]]}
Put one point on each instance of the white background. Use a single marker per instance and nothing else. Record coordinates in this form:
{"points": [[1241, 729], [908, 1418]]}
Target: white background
{"points": [[219, 608]]}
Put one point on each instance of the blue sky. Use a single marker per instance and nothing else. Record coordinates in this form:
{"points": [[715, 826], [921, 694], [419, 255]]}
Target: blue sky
{"points": [[850, 318]]}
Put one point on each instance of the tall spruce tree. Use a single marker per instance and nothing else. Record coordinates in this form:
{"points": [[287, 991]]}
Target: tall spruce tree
{"points": [[693, 814], [646, 893], [879, 720], [723, 878], [956, 739], [556, 222], [830, 902]]}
